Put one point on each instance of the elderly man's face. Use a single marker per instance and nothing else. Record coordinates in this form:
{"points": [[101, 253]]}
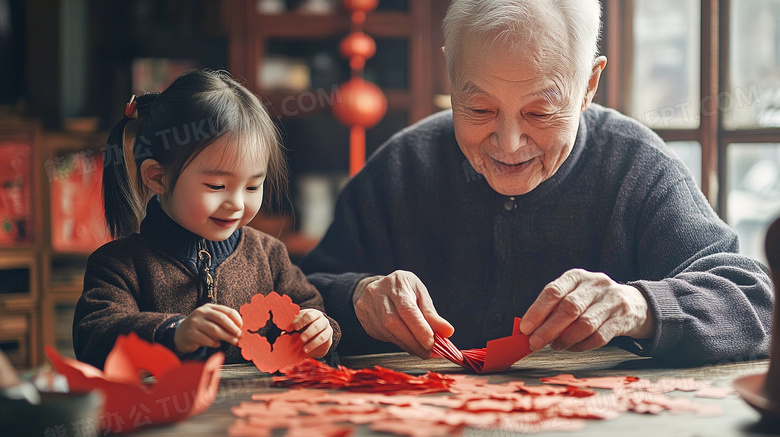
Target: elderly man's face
{"points": [[516, 113]]}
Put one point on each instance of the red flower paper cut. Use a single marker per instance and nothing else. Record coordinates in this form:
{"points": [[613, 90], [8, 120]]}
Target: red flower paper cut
{"points": [[288, 347], [182, 389]]}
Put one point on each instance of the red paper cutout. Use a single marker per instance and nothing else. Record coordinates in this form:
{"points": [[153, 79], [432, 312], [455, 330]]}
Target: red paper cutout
{"points": [[125, 364], [607, 382], [714, 392], [288, 347], [415, 428], [498, 355], [182, 389]]}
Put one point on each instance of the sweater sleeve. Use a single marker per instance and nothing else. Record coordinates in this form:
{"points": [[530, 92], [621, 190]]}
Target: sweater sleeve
{"points": [[108, 308], [290, 280], [710, 302]]}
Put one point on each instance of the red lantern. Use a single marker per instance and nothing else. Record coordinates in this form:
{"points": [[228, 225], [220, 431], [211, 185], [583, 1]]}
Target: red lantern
{"points": [[362, 103], [357, 44], [360, 5]]}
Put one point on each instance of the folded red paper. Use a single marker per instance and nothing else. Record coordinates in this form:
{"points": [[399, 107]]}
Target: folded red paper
{"points": [[499, 354], [181, 389]]}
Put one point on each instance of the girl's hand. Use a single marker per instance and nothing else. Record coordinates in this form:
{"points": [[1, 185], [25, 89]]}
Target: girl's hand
{"points": [[316, 332], [206, 326]]}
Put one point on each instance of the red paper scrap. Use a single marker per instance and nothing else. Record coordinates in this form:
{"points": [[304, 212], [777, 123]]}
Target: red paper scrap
{"points": [[667, 385], [288, 347], [607, 382], [182, 389], [713, 392], [415, 428], [655, 403], [498, 355]]}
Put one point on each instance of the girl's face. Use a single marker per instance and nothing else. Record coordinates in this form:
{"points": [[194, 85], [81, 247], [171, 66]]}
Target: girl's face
{"points": [[219, 191]]}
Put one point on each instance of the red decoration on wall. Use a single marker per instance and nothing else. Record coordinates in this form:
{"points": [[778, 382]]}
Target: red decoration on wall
{"points": [[362, 103], [16, 215], [76, 182]]}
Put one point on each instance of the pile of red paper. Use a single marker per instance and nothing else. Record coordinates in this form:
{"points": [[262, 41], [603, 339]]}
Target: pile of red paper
{"points": [[389, 401], [499, 354], [472, 402], [312, 373]]}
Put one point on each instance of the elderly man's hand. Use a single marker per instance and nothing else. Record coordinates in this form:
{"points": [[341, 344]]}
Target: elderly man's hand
{"points": [[397, 308], [583, 310]]}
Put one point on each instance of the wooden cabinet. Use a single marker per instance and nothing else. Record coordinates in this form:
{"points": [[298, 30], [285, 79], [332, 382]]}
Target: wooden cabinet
{"points": [[19, 301], [20, 239], [73, 227], [50, 221]]}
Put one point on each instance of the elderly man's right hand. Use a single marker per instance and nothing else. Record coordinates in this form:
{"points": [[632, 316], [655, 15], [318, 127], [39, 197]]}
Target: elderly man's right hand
{"points": [[397, 308]]}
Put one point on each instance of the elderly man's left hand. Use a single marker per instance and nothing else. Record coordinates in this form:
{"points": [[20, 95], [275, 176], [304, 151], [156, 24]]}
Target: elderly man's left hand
{"points": [[582, 310]]}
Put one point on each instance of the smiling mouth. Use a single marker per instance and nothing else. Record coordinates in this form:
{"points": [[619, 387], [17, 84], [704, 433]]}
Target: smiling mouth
{"points": [[505, 168], [224, 223]]}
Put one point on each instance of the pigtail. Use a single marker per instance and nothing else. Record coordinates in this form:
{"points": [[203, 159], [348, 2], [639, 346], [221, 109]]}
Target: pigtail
{"points": [[121, 202]]}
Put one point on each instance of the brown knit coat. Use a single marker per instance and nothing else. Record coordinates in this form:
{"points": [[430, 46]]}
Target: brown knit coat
{"points": [[130, 286]]}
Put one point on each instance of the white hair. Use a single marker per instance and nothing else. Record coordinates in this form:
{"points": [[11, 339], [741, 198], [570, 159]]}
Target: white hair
{"points": [[515, 21]]}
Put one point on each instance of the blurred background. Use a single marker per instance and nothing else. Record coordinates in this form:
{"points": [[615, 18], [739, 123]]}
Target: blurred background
{"points": [[704, 74]]}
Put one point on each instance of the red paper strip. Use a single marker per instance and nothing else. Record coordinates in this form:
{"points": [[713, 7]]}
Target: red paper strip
{"points": [[607, 382]]}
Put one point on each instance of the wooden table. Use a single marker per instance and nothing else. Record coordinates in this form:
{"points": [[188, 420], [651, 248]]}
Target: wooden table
{"points": [[239, 382]]}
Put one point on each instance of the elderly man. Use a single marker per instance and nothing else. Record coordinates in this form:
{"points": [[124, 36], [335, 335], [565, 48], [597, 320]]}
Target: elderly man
{"points": [[529, 200]]}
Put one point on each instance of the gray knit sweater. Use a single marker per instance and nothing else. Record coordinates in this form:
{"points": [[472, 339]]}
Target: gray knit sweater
{"points": [[621, 204]]}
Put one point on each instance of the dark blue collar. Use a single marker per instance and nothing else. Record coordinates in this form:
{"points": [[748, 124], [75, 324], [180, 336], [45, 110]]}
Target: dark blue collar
{"points": [[168, 236]]}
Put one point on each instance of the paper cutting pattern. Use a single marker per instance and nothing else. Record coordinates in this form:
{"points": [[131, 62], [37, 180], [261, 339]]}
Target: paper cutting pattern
{"points": [[288, 347]]}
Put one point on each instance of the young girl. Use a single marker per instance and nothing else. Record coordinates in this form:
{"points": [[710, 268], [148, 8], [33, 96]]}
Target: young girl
{"points": [[204, 149]]}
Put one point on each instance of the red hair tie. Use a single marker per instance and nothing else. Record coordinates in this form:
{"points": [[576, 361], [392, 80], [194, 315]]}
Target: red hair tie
{"points": [[130, 108]]}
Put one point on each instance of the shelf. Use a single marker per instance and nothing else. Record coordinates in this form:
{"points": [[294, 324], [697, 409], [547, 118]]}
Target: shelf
{"points": [[57, 321], [66, 273], [18, 280], [18, 334], [70, 290], [17, 305], [299, 25]]}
